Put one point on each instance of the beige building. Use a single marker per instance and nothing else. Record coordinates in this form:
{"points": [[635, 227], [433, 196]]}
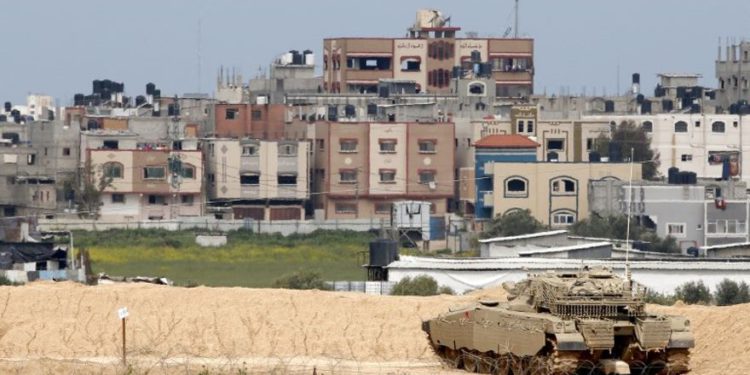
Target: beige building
{"points": [[261, 180], [555, 193]]}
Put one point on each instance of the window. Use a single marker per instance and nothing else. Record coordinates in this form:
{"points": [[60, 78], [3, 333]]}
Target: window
{"points": [[288, 150], [188, 171], [31, 159], [589, 144], [250, 179], [383, 207], [346, 208], [156, 199], [680, 127], [187, 200], [726, 227], [113, 170], [111, 145], [697, 124], [676, 230], [410, 64], [256, 115], [348, 145], [387, 146], [718, 127], [520, 126], [426, 176], [118, 198], [154, 172], [530, 126], [66, 151], [555, 144], [647, 126], [387, 176], [516, 187], [687, 157], [321, 144], [348, 176], [563, 218], [427, 146], [231, 114], [476, 88], [563, 185], [287, 179], [249, 150]]}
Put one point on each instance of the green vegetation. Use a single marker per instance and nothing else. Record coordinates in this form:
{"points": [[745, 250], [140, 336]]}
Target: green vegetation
{"points": [[693, 293], [729, 292], [248, 259], [422, 285], [616, 227], [628, 136], [301, 279], [513, 223]]}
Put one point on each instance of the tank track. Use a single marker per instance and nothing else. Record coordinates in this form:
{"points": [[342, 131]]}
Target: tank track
{"points": [[671, 362]]}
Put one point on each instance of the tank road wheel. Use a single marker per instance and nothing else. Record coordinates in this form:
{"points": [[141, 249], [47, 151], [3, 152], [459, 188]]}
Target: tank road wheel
{"points": [[678, 361], [470, 361], [637, 368], [517, 366], [586, 368], [657, 367], [502, 365], [452, 357], [486, 364], [539, 366]]}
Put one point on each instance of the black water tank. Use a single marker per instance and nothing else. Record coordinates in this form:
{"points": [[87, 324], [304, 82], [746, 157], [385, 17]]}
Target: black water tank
{"points": [[695, 108], [697, 92], [609, 106], [646, 107], [485, 70], [476, 56], [150, 87], [659, 91], [667, 105], [8, 106], [3, 118], [692, 178], [350, 111], [139, 100], [672, 174], [636, 78], [683, 178], [333, 113], [639, 98], [78, 99], [372, 109], [594, 157], [96, 86], [383, 252], [686, 102], [615, 155], [157, 94], [681, 92], [384, 92]]}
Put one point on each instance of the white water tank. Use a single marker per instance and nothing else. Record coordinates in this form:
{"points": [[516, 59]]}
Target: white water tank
{"points": [[310, 59]]}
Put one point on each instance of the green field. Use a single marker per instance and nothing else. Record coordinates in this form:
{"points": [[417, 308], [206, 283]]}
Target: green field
{"points": [[248, 259]]}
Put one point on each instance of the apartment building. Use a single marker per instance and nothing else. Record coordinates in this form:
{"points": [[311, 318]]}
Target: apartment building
{"points": [[705, 213], [362, 168], [258, 179], [732, 69], [243, 120], [427, 56], [556, 193]]}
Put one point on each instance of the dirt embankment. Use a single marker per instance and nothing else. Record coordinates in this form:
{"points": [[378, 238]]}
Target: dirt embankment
{"points": [[49, 325]]}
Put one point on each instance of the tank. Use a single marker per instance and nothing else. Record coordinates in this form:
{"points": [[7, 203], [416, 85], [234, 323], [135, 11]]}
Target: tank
{"points": [[589, 321]]}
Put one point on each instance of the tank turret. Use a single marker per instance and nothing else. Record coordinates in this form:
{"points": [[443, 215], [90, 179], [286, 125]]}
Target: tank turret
{"points": [[559, 323]]}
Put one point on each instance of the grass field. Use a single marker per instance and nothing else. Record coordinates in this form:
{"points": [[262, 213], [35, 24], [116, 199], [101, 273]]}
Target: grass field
{"points": [[248, 259]]}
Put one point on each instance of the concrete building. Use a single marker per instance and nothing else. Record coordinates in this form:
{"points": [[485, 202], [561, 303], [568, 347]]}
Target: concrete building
{"points": [[427, 56], [292, 72], [733, 75], [260, 121], [362, 168], [704, 214], [555, 193], [258, 179]]}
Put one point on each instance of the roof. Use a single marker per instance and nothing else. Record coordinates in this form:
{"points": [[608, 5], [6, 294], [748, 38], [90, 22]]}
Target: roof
{"points": [[25, 252], [726, 246], [562, 249], [524, 236], [506, 141], [544, 264]]}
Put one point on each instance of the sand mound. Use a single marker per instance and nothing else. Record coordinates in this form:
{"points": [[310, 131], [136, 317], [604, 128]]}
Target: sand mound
{"points": [[69, 321]]}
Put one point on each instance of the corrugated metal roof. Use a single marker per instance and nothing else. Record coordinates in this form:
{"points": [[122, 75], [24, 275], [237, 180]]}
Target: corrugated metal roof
{"points": [[524, 236], [560, 249]]}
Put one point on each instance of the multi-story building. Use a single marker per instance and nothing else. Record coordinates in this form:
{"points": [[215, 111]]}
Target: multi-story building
{"points": [[706, 213], [733, 75], [427, 56], [259, 121], [556, 193], [362, 168], [258, 179]]}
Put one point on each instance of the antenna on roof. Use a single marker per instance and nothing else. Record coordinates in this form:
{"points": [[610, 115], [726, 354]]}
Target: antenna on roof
{"points": [[627, 232]]}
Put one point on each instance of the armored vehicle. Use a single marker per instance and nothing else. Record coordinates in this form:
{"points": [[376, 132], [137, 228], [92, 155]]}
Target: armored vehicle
{"points": [[589, 321]]}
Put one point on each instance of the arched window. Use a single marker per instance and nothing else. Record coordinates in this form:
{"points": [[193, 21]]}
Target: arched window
{"points": [[647, 126], [680, 127], [562, 218], [113, 170], [477, 89], [563, 186], [288, 150], [516, 187], [718, 127]]}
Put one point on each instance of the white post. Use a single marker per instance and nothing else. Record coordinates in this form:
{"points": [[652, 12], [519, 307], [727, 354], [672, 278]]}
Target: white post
{"points": [[627, 233]]}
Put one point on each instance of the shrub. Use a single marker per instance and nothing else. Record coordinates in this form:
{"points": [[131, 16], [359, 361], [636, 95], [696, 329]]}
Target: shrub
{"points": [[301, 279], [446, 290], [659, 298], [729, 292], [4, 281], [693, 293], [422, 285]]}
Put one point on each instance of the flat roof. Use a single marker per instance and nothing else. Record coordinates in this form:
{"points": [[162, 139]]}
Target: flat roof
{"points": [[561, 249], [726, 246], [524, 236], [543, 264]]}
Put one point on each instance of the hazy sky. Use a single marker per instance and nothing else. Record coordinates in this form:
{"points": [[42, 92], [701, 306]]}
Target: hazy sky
{"points": [[58, 47]]}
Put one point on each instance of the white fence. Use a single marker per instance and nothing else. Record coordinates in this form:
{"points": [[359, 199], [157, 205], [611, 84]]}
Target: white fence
{"points": [[211, 224], [367, 287]]}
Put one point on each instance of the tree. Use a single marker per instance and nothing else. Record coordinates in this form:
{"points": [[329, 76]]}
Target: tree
{"points": [[615, 226], [729, 292], [421, 285], [628, 136], [513, 223], [89, 201], [693, 293], [302, 279]]}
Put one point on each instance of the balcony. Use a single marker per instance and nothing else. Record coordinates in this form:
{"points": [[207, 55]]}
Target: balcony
{"points": [[521, 77], [287, 164], [367, 75], [250, 163], [250, 191]]}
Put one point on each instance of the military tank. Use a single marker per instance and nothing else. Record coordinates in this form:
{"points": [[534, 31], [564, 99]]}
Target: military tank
{"points": [[590, 321]]}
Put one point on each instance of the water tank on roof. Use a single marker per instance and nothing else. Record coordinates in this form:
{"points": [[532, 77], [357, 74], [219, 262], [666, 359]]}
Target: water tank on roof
{"points": [[615, 154], [639, 98], [659, 91], [3, 118], [485, 70], [78, 99], [594, 157], [609, 106], [695, 108], [350, 111], [309, 57], [296, 57], [96, 86], [681, 92], [8, 106], [646, 107], [476, 56], [636, 78], [150, 88], [667, 105], [333, 113], [139, 100], [456, 73], [384, 91], [157, 94], [697, 92], [372, 109]]}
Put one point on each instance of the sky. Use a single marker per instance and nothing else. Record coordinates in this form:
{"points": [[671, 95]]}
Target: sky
{"points": [[58, 47]]}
